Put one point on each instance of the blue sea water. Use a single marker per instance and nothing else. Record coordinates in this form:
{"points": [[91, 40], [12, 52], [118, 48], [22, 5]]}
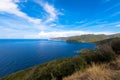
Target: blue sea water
{"points": [[20, 54]]}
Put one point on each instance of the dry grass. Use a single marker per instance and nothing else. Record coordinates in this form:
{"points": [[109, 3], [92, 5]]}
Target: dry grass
{"points": [[74, 76], [98, 72], [109, 71], [115, 65], [95, 72]]}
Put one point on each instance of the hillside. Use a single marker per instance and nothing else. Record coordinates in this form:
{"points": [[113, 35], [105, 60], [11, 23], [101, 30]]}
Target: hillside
{"points": [[106, 71], [87, 38], [58, 69]]}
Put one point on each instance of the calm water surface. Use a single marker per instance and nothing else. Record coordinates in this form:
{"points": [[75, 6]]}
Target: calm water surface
{"points": [[17, 55]]}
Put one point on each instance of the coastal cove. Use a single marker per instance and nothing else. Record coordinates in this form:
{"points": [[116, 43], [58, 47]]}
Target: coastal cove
{"points": [[19, 54]]}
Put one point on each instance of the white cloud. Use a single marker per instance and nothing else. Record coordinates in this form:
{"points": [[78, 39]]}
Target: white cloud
{"points": [[20, 1], [50, 9], [10, 7], [67, 33], [52, 25], [118, 25]]}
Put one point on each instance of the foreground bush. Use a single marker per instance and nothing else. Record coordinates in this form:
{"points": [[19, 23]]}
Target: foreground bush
{"points": [[115, 44], [61, 68], [107, 71], [97, 56]]}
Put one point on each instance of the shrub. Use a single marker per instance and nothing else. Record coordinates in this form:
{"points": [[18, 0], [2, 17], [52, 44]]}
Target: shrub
{"points": [[58, 69], [88, 55], [68, 67], [97, 56], [104, 56], [115, 44]]}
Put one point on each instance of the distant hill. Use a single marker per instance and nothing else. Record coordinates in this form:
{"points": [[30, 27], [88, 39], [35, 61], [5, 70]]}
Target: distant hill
{"points": [[87, 38]]}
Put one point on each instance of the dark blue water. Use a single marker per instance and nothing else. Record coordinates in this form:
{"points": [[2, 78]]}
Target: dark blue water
{"points": [[17, 55]]}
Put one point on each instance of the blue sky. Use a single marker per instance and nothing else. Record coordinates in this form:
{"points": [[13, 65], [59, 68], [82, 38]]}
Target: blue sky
{"points": [[58, 18]]}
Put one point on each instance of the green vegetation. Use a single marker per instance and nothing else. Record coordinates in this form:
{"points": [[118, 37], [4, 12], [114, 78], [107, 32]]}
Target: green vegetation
{"points": [[54, 69], [88, 38], [57, 69]]}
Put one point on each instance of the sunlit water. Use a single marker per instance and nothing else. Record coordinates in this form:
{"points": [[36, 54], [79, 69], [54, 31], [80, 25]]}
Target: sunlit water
{"points": [[17, 55]]}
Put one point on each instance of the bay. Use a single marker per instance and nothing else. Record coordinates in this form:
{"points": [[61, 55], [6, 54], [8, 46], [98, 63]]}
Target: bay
{"points": [[19, 54]]}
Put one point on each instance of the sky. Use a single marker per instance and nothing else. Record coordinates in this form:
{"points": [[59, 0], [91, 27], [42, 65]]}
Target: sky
{"points": [[23, 19]]}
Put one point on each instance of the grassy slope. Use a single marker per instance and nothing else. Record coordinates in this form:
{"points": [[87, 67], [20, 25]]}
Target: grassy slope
{"points": [[108, 71], [102, 71], [64, 67], [88, 38]]}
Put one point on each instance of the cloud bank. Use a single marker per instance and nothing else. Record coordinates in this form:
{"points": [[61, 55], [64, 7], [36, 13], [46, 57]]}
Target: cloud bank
{"points": [[11, 7], [54, 34]]}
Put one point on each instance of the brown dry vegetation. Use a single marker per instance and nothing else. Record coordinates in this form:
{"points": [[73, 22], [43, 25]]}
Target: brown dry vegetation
{"points": [[106, 71]]}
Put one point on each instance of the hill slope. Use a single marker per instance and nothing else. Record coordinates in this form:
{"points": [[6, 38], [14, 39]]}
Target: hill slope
{"points": [[106, 71], [87, 38]]}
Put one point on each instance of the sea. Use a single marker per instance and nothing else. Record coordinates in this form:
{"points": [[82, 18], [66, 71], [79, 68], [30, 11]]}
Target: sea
{"points": [[20, 54]]}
